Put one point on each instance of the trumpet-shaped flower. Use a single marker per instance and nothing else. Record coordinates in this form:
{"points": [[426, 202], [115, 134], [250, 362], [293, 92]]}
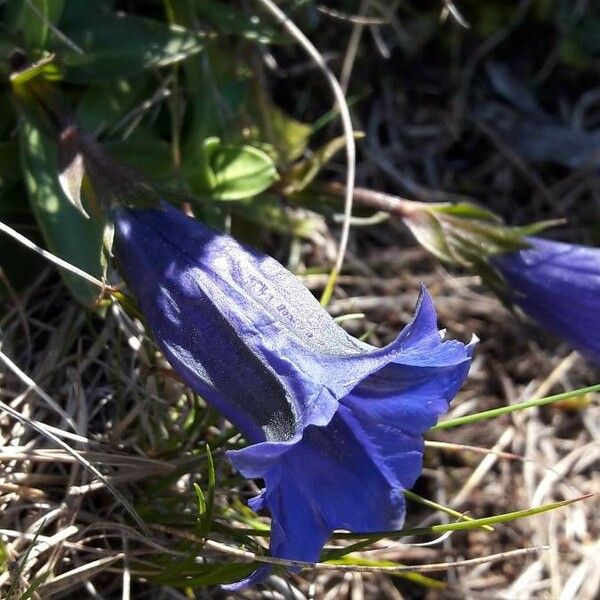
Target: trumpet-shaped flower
{"points": [[334, 425], [558, 285]]}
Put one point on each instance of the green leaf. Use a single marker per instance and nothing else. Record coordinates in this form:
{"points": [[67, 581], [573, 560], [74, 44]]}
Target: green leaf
{"points": [[35, 584], [437, 506], [146, 153], [9, 165], [206, 502], [288, 136], [43, 70], [217, 88], [102, 105], [444, 528], [201, 499], [36, 96], [118, 45], [33, 19], [20, 265], [15, 580], [233, 172], [66, 232]]}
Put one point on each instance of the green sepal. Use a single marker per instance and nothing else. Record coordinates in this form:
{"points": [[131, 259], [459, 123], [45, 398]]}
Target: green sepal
{"points": [[468, 236]]}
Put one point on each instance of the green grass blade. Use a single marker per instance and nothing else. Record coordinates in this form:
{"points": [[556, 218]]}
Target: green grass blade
{"points": [[444, 528], [23, 561], [503, 410], [436, 506], [37, 582], [210, 494], [201, 501], [368, 539]]}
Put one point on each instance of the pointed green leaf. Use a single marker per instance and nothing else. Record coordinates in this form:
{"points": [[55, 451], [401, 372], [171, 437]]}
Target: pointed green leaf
{"points": [[146, 153], [67, 233], [444, 528], [35, 584], [437, 506], [101, 106], [202, 574], [288, 136], [200, 498]]}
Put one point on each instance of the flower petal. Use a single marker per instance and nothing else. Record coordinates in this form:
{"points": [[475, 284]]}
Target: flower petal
{"points": [[346, 475], [224, 314], [350, 473], [408, 397], [335, 425]]}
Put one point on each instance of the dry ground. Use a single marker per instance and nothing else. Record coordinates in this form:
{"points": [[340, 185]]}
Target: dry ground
{"points": [[129, 419], [98, 385]]}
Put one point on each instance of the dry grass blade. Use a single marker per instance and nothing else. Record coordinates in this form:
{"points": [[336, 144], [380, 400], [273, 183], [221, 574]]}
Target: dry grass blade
{"points": [[78, 457], [74, 577], [32, 386], [59, 262], [440, 126]]}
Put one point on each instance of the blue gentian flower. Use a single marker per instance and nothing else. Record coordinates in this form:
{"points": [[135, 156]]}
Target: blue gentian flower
{"points": [[558, 285], [334, 425]]}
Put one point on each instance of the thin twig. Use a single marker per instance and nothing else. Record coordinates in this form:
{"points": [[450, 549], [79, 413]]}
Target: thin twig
{"points": [[380, 201]]}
